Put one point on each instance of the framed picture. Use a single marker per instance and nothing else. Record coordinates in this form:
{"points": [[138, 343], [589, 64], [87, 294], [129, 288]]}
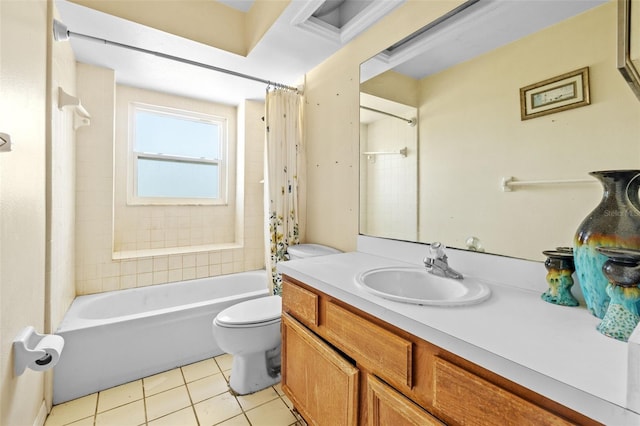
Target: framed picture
{"points": [[566, 91]]}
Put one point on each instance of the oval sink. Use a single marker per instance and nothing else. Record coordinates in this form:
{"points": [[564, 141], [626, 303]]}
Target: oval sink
{"points": [[417, 286]]}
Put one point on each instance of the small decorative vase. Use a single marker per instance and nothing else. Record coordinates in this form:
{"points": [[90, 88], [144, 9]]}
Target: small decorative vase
{"points": [[622, 269], [560, 267], [615, 222]]}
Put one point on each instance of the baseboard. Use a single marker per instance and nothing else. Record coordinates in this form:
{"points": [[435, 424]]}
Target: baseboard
{"points": [[42, 415]]}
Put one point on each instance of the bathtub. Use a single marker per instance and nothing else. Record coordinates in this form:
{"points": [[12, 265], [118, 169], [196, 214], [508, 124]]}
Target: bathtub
{"points": [[119, 336]]}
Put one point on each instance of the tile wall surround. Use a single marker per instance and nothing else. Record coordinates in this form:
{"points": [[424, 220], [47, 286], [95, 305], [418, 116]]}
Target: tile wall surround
{"points": [[98, 267], [390, 185], [144, 227]]}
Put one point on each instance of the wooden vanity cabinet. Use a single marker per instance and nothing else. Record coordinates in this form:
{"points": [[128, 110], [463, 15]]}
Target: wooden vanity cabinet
{"points": [[342, 366]]}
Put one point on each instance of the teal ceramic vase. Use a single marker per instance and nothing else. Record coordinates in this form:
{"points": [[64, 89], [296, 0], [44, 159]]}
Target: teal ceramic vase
{"points": [[623, 271], [560, 268], [615, 222]]}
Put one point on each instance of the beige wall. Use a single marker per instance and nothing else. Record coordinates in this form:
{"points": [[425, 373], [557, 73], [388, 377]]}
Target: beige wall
{"points": [[542, 148], [332, 124], [98, 267], [60, 238], [208, 22], [395, 87], [61, 186], [23, 56]]}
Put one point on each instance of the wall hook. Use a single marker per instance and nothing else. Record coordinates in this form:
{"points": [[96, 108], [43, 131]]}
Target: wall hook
{"points": [[81, 116]]}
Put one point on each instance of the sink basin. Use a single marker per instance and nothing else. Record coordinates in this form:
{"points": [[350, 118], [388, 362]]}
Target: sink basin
{"points": [[417, 286]]}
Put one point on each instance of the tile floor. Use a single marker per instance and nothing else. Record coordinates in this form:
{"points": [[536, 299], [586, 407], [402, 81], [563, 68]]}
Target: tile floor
{"points": [[193, 395]]}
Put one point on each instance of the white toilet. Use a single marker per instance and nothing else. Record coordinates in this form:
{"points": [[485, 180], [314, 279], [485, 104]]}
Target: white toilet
{"points": [[250, 331], [301, 251]]}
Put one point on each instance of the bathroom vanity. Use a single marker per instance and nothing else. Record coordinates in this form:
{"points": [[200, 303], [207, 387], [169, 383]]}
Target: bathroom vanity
{"points": [[350, 357]]}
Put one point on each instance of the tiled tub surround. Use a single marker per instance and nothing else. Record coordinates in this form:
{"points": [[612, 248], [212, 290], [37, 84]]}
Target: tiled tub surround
{"points": [[550, 349], [116, 337]]}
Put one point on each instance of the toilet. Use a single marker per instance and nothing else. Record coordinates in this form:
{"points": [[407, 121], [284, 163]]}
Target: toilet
{"points": [[250, 332], [302, 251]]}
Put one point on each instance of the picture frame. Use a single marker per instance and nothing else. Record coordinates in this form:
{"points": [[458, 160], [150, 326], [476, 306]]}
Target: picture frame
{"points": [[560, 93]]}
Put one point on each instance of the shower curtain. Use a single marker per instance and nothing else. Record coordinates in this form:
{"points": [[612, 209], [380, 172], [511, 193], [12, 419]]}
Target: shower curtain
{"points": [[284, 177]]}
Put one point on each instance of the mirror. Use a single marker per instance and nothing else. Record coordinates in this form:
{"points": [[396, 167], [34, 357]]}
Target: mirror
{"points": [[485, 178], [629, 43]]}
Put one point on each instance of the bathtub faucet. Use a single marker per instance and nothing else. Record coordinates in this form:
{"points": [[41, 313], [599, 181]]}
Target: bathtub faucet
{"points": [[437, 263]]}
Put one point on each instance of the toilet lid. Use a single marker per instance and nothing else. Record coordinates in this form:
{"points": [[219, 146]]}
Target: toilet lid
{"points": [[251, 312]]}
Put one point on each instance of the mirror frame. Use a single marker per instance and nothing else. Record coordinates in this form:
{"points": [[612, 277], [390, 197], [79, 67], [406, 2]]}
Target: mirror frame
{"points": [[625, 65]]}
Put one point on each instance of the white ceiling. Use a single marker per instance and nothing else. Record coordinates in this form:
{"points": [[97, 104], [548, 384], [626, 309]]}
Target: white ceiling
{"points": [[482, 27], [241, 5], [292, 46]]}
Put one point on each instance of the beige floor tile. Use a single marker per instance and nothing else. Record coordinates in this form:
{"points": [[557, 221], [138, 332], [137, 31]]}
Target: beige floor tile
{"points": [[224, 361], [119, 395], [287, 401], [240, 420], [167, 402], [126, 415], [278, 388], [184, 417], [247, 402], [162, 382], [84, 422], [200, 369], [274, 413], [71, 411], [217, 409], [207, 387], [227, 375]]}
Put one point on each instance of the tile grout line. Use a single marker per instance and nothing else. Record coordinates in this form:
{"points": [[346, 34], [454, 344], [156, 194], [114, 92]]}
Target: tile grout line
{"points": [[95, 412], [193, 406]]}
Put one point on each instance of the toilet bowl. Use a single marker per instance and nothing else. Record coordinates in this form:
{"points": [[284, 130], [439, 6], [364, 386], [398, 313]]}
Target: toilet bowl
{"points": [[250, 332]]}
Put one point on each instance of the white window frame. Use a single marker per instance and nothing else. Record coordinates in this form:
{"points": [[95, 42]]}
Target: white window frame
{"points": [[133, 156]]}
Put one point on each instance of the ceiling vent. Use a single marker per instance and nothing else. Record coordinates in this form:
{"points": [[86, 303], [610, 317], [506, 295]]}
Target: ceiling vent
{"points": [[341, 20]]}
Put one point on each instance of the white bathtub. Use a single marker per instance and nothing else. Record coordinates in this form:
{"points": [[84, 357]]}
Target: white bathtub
{"points": [[120, 336]]}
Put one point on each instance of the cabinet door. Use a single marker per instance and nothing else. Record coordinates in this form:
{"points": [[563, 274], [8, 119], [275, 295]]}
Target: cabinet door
{"points": [[387, 406], [322, 385]]}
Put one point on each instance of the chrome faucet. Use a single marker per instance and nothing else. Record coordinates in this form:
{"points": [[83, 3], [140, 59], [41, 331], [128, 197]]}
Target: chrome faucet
{"points": [[436, 262]]}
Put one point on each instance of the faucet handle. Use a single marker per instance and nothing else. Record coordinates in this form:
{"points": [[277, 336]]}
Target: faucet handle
{"points": [[436, 250]]}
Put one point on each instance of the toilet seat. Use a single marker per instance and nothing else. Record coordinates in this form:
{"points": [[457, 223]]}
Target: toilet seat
{"points": [[251, 313]]}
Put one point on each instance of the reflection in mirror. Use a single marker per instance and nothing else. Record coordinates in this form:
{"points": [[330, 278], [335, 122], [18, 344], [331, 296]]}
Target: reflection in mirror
{"points": [[388, 168], [463, 76]]}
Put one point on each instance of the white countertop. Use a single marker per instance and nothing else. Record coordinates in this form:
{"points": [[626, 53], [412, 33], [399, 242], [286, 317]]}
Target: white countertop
{"points": [[550, 349]]}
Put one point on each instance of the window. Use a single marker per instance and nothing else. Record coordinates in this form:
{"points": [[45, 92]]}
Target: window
{"points": [[176, 157]]}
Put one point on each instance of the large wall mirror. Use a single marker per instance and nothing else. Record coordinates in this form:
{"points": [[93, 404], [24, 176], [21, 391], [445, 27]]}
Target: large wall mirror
{"points": [[446, 151], [629, 42]]}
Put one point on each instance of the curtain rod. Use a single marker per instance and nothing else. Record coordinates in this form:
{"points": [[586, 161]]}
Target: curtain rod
{"points": [[61, 33], [410, 121]]}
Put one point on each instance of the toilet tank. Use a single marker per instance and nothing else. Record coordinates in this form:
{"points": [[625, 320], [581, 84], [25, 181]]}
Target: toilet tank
{"points": [[301, 251]]}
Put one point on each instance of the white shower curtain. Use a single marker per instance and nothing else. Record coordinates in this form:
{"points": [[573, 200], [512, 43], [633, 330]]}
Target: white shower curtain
{"points": [[284, 177]]}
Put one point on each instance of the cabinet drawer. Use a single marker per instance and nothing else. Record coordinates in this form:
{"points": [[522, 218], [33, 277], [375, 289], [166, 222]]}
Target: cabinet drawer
{"points": [[461, 397], [383, 352], [387, 406], [300, 303]]}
